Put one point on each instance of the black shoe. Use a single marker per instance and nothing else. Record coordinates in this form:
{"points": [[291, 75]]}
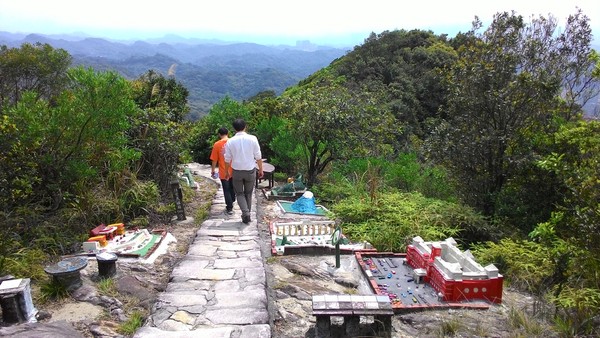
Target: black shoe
{"points": [[246, 219]]}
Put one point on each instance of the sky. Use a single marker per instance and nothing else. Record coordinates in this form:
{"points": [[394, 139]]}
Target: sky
{"points": [[328, 22]]}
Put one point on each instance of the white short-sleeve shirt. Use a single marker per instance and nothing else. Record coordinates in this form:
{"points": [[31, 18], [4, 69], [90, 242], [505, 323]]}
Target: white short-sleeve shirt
{"points": [[242, 151]]}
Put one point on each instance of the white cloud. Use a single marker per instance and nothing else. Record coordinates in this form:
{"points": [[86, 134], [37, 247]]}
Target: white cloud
{"points": [[299, 19]]}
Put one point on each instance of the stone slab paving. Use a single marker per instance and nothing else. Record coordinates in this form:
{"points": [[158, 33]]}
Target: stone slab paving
{"points": [[219, 288]]}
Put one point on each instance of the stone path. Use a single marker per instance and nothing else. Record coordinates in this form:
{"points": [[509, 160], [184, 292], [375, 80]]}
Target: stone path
{"points": [[219, 288]]}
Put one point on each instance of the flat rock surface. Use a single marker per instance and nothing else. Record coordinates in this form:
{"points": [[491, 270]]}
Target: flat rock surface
{"points": [[225, 261], [57, 329]]}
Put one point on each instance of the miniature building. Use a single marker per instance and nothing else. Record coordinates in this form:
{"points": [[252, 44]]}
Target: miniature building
{"points": [[102, 230], [309, 237], [120, 228], [133, 243], [352, 307], [407, 288], [455, 275], [91, 247], [101, 239]]}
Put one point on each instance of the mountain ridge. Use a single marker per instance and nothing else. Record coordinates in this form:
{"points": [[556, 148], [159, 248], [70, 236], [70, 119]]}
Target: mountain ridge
{"points": [[210, 71]]}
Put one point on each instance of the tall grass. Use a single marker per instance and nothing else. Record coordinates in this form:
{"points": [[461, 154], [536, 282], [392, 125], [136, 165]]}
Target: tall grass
{"points": [[135, 321], [522, 323], [51, 290], [107, 287], [450, 328]]}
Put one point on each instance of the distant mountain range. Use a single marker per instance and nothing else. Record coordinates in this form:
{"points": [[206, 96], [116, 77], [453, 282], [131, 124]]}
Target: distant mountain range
{"points": [[210, 69]]}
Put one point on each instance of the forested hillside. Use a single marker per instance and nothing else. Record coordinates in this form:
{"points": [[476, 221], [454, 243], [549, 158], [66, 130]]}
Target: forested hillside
{"points": [[210, 71], [480, 137]]}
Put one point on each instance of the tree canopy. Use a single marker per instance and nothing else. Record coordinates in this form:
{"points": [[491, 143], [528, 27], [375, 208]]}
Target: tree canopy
{"points": [[503, 88], [33, 67]]}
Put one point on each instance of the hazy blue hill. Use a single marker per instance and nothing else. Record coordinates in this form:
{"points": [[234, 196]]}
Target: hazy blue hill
{"points": [[176, 39], [145, 48], [33, 38], [298, 63], [210, 69], [132, 67], [206, 85], [87, 46], [6, 37]]}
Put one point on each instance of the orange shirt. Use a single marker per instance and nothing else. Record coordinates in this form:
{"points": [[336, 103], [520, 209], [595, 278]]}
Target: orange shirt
{"points": [[217, 154]]}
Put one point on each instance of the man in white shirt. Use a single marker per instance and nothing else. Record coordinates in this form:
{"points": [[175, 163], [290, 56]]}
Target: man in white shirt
{"points": [[242, 154]]}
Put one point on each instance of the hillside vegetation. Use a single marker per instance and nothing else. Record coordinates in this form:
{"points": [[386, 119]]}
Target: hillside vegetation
{"points": [[480, 137], [210, 71]]}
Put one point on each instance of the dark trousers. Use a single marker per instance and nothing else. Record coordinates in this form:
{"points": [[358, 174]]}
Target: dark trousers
{"points": [[243, 184], [228, 193]]}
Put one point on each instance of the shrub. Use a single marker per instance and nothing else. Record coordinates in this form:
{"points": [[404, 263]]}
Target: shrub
{"points": [[391, 221], [138, 198], [140, 222], [450, 328], [18, 259], [280, 177], [334, 188], [526, 264], [188, 193], [201, 214], [523, 323], [375, 175], [578, 309]]}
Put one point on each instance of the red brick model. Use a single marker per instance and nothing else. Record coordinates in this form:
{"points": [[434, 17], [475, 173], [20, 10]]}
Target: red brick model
{"points": [[108, 231], [455, 275]]}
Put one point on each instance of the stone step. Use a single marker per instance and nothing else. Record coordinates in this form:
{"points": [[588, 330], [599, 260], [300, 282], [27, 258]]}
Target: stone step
{"points": [[219, 288], [254, 331]]}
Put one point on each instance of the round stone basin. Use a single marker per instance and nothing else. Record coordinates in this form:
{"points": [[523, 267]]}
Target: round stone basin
{"points": [[66, 272]]}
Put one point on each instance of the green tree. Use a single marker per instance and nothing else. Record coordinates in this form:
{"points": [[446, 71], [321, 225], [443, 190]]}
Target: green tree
{"points": [[502, 91], [74, 141], [18, 171], [32, 67], [576, 162], [36, 70], [80, 138], [574, 63], [158, 131], [56, 158], [331, 122], [153, 90], [267, 113], [401, 67], [220, 115]]}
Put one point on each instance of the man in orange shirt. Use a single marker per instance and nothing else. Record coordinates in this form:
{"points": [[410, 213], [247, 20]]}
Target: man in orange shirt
{"points": [[217, 157]]}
